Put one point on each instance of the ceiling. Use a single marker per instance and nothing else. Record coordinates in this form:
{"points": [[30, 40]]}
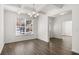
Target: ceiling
{"points": [[41, 8], [38, 7]]}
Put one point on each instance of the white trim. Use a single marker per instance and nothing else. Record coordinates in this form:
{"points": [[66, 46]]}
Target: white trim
{"points": [[1, 48]]}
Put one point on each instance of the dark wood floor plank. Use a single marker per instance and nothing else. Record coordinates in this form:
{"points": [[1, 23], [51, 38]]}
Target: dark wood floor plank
{"points": [[37, 47]]}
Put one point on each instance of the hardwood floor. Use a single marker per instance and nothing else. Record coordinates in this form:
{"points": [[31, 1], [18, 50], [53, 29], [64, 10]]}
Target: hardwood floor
{"points": [[59, 47], [37, 47]]}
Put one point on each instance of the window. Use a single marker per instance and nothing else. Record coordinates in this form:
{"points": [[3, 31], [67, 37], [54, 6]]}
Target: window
{"points": [[23, 25]]}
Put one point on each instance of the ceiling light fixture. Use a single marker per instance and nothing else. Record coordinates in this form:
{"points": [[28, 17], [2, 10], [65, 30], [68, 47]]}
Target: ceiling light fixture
{"points": [[34, 12]]}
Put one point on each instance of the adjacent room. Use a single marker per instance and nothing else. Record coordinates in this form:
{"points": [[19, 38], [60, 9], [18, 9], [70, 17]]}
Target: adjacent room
{"points": [[36, 29]]}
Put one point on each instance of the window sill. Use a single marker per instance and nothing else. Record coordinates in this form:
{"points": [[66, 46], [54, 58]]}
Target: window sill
{"points": [[26, 34]]}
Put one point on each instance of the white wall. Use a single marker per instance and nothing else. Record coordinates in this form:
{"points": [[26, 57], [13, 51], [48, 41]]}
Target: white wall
{"points": [[75, 38], [43, 28], [10, 28], [59, 26], [51, 25], [67, 28], [1, 28]]}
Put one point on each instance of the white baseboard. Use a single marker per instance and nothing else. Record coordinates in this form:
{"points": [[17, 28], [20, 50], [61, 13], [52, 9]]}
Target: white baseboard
{"points": [[75, 51], [61, 36], [44, 40], [1, 48], [21, 38]]}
